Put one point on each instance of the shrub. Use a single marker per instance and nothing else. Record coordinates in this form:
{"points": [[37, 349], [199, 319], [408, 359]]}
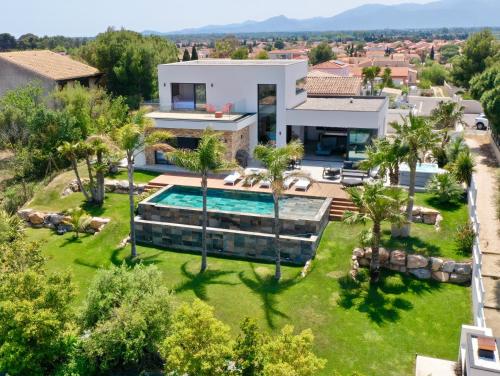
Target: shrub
{"points": [[463, 167], [79, 220], [16, 196], [464, 238], [445, 188]]}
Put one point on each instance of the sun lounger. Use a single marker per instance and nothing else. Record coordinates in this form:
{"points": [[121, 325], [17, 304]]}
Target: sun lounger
{"points": [[288, 182], [265, 184], [232, 178], [302, 184]]}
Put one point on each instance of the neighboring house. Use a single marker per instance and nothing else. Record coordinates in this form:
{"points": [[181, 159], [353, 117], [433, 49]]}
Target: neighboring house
{"points": [[269, 105], [50, 69], [399, 75], [288, 54], [321, 84], [336, 67]]}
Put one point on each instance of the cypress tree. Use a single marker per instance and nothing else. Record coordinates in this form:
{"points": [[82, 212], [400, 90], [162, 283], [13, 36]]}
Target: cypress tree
{"points": [[186, 57], [194, 54]]}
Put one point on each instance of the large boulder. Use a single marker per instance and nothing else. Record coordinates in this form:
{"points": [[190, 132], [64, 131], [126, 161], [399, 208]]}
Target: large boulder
{"points": [[459, 278], [421, 273], [364, 262], [448, 266], [463, 268], [36, 218], [398, 258], [416, 261], [436, 263], [97, 223], [429, 216], [25, 214], [368, 253], [55, 218], [358, 252], [441, 276]]}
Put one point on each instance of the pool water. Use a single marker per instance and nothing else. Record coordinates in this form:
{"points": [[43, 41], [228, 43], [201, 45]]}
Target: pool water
{"points": [[217, 199], [421, 167]]}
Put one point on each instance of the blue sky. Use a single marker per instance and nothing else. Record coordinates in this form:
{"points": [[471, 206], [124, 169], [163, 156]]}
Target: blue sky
{"points": [[89, 17]]}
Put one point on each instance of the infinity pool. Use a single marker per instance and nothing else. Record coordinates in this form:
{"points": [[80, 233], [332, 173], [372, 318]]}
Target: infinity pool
{"points": [[238, 201]]}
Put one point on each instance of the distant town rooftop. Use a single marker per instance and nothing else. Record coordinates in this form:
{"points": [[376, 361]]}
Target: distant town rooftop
{"points": [[49, 64], [368, 104], [267, 62]]}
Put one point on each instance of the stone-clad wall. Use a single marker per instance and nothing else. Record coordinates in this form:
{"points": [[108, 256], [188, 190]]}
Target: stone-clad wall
{"points": [[422, 267], [231, 221], [232, 243], [234, 141]]}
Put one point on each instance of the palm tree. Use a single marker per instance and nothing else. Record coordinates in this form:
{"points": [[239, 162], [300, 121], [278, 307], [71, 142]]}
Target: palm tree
{"points": [[131, 139], [72, 152], [376, 203], [208, 157], [387, 155], [447, 114], [369, 75], [79, 221], [417, 137], [276, 162]]}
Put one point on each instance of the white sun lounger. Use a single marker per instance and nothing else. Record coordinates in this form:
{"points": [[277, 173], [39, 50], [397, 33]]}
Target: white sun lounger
{"points": [[302, 184], [288, 182], [232, 178], [265, 184]]}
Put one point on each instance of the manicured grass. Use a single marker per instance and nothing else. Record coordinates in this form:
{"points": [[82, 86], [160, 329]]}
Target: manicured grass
{"points": [[139, 176], [373, 330]]}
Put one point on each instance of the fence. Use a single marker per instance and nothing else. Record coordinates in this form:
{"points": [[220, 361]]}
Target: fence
{"points": [[477, 280]]}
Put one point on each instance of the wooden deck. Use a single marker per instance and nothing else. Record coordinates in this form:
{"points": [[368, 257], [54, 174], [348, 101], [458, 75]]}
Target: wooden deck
{"points": [[316, 189]]}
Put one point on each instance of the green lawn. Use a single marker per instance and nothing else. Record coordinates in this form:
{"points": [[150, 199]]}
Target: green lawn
{"points": [[357, 328]]}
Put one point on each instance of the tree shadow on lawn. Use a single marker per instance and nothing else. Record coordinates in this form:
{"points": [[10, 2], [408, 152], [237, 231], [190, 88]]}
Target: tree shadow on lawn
{"points": [[412, 244], [197, 282], [73, 240], [445, 206], [268, 289], [381, 302], [116, 260]]}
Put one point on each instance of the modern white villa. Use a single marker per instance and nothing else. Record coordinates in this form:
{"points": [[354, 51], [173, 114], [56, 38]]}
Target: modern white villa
{"points": [[261, 101]]}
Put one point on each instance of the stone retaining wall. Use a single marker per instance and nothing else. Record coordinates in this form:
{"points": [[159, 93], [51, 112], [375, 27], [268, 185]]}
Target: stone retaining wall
{"points": [[422, 267], [110, 185]]}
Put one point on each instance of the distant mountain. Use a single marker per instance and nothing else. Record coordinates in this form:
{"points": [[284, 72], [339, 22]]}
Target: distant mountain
{"points": [[444, 13]]}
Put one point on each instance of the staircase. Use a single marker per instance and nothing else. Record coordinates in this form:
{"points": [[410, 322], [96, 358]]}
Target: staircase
{"points": [[339, 206]]}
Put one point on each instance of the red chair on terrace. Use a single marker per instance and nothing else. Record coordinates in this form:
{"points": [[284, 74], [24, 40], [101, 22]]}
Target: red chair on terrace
{"points": [[227, 108]]}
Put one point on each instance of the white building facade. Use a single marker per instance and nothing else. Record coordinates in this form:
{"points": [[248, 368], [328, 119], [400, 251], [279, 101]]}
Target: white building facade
{"points": [[259, 101]]}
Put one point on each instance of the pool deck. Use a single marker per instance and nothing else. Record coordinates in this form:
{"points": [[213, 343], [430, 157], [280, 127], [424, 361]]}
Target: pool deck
{"points": [[317, 189]]}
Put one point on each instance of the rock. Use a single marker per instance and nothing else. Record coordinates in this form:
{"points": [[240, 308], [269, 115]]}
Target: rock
{"points": [[354, 257], [25, 213], [67, 192], [421, 273], [36, 218], [358, 252], [364, 262], [441, 276], [97, 223], [429, 216], [439, 219], [416, 261], [397, 268], [355, 265], [416, 211], [49, 225], [122, 185], [384, 255], [55, 218], [368, 253], [448, 266], [436, 263], [398, 258], [463, 268], [459, 278]]}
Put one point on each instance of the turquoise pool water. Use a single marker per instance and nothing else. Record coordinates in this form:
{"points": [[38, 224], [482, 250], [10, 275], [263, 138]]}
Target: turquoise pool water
{"points": [[217, 199]]}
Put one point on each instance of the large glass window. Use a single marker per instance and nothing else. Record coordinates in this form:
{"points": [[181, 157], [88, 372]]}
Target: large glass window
{"points": [[267, 113], [358, 140], [190, 143], [189, 96]]}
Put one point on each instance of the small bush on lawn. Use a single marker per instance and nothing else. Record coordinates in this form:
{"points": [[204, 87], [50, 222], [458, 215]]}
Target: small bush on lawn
{"points": [[464, 238], [445, 188]]}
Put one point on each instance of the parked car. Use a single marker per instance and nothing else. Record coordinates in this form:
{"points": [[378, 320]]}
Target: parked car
{"points": [[482, 122]]}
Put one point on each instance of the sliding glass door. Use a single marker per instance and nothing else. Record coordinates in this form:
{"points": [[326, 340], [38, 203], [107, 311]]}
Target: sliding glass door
{"points": [[267, 113], [189, 96]]}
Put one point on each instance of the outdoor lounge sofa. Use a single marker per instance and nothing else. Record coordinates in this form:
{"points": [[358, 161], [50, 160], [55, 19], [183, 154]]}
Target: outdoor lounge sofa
{"points": [[303, 184]]}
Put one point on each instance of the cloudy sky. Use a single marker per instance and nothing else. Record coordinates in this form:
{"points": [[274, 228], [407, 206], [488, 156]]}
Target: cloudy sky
{"points": [[89, 17]]}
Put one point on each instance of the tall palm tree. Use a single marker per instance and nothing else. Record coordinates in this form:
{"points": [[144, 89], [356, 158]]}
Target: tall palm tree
{"points": [[387, 155], [99, 146], [208, 157], [276, 162], [131, 139], [73, 152], [447, 114], [417, 136], [376, 203], [369, 75]]}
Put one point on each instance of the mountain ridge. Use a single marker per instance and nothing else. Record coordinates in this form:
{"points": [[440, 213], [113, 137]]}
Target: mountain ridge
{"points": [[436, 14]]}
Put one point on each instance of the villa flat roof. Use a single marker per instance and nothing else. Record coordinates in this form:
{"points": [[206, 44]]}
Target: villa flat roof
{"points": [[196, 116], [231, 62], [368, 104]]}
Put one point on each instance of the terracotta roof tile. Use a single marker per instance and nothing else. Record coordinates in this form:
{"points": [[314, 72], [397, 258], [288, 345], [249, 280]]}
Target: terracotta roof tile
{"points": [[49, 64], [324, 84]]}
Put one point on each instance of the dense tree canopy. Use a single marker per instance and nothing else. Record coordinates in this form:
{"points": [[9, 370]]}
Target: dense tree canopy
{"points": [[321, 53], [225, 47], [478, 52], [129, 61], [485, 87]]}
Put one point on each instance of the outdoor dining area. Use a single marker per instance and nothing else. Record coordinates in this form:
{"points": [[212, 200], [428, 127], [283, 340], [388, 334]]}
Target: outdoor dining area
{"points": [[349, 175]]}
